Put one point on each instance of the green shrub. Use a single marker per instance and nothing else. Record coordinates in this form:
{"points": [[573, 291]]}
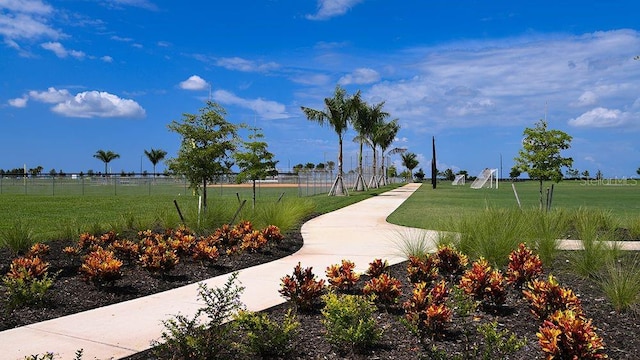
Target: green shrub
{"points": [[18, 237], [190, 338], [498, 344], [349, 322], [264, 337], [24, 291]]}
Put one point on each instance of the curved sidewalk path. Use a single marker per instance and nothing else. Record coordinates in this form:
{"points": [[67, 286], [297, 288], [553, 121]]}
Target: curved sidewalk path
{"points": [[358, 232]]}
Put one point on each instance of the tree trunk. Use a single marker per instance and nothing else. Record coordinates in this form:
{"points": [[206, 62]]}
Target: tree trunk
{"points": [[540, 194], [254, 194], [204, 195]]}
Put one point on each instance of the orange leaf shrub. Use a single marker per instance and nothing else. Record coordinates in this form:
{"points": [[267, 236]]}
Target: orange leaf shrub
{"points": [[483, 283], [450, 261], [427, 309], [422, 270], [342, 277], [301, 288], [377, 267], [567, 335], [100, 266], [387, 289], [523, 266], [27, 268], [547, 297]]}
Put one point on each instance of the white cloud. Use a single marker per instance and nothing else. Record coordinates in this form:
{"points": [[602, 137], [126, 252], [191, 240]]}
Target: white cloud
{"points": [[19, 102], [194, 82], [51, 96], [90, 104], [332, 8], [588, 98], [360, 76], [58, 49], [510, 82], [240, 64], [312, 79], [265, 108], [106, 58], [25, 20], [601, 118]]}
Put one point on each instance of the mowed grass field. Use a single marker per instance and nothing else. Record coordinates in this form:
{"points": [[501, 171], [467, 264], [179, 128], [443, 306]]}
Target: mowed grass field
{"points": [[432, 209], [57, 216]]}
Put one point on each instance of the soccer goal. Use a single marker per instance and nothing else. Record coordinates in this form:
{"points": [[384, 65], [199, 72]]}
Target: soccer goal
{"points": [[487, 178], [459, 180]]}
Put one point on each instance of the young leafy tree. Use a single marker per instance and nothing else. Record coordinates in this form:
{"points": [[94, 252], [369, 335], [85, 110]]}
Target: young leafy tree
{"points": [[540, 154], [105, 157], [207, 141], [155, 156], [338, 111], [255, 162], [410, 161]]}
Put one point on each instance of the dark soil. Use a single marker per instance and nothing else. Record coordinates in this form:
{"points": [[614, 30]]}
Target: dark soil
{"points": [[71, 294]]}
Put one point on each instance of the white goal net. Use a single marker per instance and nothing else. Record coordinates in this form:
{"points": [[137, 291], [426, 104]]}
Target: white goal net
{"points": [[487, 178], [459, 180]]}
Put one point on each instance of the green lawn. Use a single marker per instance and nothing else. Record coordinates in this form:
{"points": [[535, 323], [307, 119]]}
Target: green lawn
{"points": [[428, 208], [62, 216]]}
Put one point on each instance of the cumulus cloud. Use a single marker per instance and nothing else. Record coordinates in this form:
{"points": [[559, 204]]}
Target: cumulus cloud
{"points": [[194, 82], [265, 108], [58, 49], [360, 76], [19, 102], [51, 96], [601, 118], [106, 58], [244, 65], [91, 104], [87, 104], [332, 8]]}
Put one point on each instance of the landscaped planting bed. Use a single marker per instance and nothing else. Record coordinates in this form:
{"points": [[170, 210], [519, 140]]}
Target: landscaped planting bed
{"points": [[452, 328]]}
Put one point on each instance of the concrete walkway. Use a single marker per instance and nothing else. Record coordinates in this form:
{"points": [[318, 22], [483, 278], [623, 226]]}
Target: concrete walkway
{"points": [[358, 233]]}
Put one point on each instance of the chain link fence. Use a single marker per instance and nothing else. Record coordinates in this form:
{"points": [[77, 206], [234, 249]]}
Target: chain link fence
{"points": [[307, 183]]}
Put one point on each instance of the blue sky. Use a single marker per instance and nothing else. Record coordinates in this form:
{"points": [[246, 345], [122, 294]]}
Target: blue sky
{"points": [[78, 75]]}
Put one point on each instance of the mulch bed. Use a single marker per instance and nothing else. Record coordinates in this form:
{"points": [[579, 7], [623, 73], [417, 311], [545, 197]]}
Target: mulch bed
{"points": [[71, 294]]}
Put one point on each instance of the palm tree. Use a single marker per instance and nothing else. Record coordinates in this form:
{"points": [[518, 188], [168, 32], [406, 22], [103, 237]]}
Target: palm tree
{"points": [[338, 111], [375, 136], [155, 156], [410, 161], [365, 123], [386, 134], [105, 157]]}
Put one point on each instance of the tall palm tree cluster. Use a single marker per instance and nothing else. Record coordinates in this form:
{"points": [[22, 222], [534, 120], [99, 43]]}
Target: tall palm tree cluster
{"points": [[369, 121], [154, 156]]}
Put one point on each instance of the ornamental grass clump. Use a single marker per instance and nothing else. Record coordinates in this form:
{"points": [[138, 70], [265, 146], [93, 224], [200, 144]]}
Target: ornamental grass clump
{"points": [[18, 237], [621, 284]]}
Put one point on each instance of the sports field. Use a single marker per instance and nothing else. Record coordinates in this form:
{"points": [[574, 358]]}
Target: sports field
{"points": [[428, 208]]}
